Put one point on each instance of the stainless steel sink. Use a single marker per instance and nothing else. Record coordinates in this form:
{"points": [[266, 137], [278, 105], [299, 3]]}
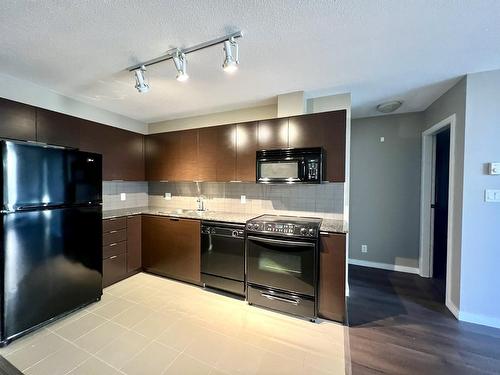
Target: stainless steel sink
{"points": [[182, 211]]}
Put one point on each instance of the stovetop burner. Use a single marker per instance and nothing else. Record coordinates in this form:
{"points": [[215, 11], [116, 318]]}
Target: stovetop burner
{"points": [[289, 226]]}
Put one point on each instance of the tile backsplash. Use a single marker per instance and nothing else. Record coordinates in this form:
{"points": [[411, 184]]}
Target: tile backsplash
{"points": [[324, 200], [136, 194]]}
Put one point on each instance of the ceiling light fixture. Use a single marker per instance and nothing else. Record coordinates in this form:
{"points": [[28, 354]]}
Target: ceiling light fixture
{"points": [[181, 65], [231, 52], [141, 84], [390, 106], [230, 64]]}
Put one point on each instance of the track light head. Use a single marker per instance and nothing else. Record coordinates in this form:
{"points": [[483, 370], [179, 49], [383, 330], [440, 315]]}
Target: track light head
{"points": [[181, 65], [231, 53], [141, 83]]}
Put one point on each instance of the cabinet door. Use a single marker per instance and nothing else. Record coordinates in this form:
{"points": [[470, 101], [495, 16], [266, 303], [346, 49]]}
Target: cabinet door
{"points": [[246, 147], [273, 133], [186, 155], [160, 156], [17, 120], [171, 247], [134, 243], [332, 276], [207, 154], [57, 128], [114, 269], [122, 151], [226, 153], [328, 130]]}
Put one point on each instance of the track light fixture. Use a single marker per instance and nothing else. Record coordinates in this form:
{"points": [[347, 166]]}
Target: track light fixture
{"points": [[181, 65], [231, 52], [141, 83], [231, 60]]}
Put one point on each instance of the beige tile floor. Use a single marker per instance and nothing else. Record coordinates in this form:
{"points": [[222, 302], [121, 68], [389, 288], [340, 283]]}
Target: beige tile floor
{"points": [[151, 325]]}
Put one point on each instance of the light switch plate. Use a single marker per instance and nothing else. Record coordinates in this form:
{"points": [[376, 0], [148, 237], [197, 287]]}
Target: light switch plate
{"points": [[382, 139], [167, 196], [494, 168], [364, 248], [491, 195], [123, 196], [243, 199]]}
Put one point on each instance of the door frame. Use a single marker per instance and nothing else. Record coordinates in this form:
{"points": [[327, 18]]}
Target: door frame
{"points": [[426, 198]]}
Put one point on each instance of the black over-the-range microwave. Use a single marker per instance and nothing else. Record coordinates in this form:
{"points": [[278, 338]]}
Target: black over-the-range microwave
{"points": [[290, 165]]}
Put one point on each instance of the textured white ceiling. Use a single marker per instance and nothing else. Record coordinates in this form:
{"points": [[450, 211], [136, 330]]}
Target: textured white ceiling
{"points": [[411, 50]]}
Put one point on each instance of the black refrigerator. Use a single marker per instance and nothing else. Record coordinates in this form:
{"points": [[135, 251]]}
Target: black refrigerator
{"points": [[50, 234]]}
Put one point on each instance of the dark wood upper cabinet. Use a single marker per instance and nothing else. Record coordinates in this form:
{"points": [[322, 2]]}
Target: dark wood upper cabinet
{"points": [[17, 120], [185, 155], [134, 243], [159, 156], [122, 151], [273, 133], [207, 153], [332, 276], [226, 153], [246, 146], [171, 247], [57, 128], [328, 130]]}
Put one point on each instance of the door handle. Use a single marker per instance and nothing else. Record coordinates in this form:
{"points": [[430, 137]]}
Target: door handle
{"points": [[280, 242], [293, 301]]}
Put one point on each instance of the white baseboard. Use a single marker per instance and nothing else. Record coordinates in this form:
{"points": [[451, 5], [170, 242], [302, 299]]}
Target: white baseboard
{"points": [[479, 319], [384, 266]]}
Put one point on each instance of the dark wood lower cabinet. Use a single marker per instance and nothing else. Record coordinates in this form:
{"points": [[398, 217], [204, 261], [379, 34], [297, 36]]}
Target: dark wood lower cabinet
{"points": [[171, 247], [332, 273], [114, 269], [121, 251], [134, 243]]}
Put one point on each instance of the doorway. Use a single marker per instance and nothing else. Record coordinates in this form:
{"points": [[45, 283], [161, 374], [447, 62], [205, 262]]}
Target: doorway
{"points": [[436, 209], [440, 210]]}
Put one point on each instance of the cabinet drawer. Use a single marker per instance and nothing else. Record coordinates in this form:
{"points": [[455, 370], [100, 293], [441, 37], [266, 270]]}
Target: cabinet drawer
{"points": [[114, 269], [114, 236], [115, 248], [118, 223]]}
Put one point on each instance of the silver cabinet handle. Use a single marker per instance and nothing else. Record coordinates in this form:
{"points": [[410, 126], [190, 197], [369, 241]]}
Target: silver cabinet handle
{"points": [[113, 231], [113, 257], [113, 244], [282, 299]]}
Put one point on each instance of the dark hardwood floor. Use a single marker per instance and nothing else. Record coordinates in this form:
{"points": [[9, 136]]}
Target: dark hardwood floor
{"points": [[398, 325]]}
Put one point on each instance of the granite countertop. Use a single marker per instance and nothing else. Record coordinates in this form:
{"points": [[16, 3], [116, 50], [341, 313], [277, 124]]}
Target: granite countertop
{"points": [[328, 225]]}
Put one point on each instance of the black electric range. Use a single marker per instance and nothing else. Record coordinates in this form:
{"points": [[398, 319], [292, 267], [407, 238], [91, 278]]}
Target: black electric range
{"points": [[282, 263]]}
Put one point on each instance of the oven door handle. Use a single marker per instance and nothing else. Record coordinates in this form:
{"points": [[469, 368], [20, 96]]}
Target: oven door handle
{"points": [[293, 301], [281, 242]]}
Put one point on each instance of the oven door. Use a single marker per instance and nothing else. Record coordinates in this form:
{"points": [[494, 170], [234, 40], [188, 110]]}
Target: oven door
{"points": [[281, 170], [287, 265]]}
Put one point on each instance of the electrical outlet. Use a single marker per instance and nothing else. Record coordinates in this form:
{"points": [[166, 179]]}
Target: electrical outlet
{"points": [[382, 139], [492, 195], [167, 196], [243, 199], [364, 248], [123, 196]]}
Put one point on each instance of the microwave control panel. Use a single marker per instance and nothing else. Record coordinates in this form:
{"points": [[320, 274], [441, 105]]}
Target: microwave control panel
{"points": [[312, 169]]}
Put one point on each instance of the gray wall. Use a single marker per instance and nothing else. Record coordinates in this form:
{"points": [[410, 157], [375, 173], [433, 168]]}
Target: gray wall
{"points": [[480, 277], [385, 189], [453, 102]]}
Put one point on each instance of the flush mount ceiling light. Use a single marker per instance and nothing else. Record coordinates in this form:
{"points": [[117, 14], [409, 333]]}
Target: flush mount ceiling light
{"points": [[231, 52], [230, 64], [141, 83], [389, 107], [181, 65]]}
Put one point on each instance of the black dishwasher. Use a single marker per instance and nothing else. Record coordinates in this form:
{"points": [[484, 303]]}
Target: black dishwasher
{"points": [[223, 256]]}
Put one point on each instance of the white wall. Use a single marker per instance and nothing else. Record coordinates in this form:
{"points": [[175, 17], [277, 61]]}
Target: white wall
{"points": [[212, 119], [480, 261], [385, 190], [38, 96], [291, 104]]}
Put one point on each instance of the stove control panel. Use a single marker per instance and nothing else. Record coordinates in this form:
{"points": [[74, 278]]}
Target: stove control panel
{"points": [[283, 229]]}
